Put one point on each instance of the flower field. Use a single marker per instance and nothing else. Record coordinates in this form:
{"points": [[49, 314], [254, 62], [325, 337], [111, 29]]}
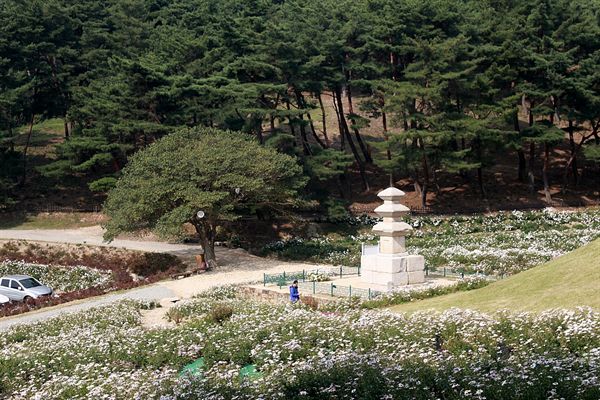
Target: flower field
{"points": [[77, 272], [504, 243], [63, 279], [297, 352]]}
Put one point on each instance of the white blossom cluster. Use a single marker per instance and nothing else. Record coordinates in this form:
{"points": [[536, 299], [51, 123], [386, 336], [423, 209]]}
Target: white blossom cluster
{"points": [[500, 244], [300, 353], [59, 278]]}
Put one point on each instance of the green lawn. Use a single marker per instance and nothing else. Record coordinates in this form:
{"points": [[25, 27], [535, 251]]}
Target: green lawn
{"points": [[565, 282]]}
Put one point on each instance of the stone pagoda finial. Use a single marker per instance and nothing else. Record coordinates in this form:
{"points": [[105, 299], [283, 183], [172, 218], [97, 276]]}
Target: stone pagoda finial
{"points": [[392, 230]]}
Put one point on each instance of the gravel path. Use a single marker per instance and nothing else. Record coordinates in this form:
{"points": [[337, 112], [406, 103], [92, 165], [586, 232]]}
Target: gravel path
{"points": [[235, 266]]}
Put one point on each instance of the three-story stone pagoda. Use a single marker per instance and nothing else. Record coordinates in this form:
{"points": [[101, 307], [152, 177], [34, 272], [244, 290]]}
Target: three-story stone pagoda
{"points": [[388, 265]]}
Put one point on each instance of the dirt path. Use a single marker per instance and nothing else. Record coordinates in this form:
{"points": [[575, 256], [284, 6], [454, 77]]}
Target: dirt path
{"points": [[235, 266]]}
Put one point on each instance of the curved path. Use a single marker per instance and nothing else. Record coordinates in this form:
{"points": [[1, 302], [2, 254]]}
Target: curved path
{"points": [[235, 266]]}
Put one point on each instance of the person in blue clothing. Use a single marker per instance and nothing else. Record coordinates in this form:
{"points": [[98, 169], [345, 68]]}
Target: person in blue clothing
{"points": [[294, 294]]}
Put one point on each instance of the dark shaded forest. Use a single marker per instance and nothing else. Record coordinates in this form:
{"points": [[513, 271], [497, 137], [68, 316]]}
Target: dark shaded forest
{"points": [[364, 93]]}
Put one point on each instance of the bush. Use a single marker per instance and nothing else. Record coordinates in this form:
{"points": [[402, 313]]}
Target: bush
{"points": [[220, 313], [147, 264], [336, 210], [310, 302], [175, 315]]}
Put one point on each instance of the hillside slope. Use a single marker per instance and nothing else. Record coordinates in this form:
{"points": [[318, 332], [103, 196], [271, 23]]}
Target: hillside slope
{"points": [[566, 282]]}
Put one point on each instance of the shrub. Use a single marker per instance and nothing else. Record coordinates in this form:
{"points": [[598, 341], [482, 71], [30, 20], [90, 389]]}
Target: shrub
{"points": [[221, 313], [147, 264], [310, 302], [175, 315], [317, 277], [149, 305]]}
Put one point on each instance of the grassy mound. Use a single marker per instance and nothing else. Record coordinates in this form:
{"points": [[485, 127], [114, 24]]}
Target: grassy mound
{"points": [[565, 282]]}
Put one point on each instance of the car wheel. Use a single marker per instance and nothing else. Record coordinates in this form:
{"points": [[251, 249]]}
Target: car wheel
{"points": [[28, 300]]}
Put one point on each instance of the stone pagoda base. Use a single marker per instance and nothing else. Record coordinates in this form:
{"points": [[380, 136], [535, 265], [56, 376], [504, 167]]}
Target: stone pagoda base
{"points": [[387, 271]]}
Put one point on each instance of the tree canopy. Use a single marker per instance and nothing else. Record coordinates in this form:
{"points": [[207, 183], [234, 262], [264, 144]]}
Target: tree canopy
{"points": [[222, 173], [448, 84]]}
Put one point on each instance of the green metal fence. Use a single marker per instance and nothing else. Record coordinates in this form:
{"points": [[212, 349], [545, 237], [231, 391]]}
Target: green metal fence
{"points": [[331, 289], [282, 279], [445, 272], [328, 288]]}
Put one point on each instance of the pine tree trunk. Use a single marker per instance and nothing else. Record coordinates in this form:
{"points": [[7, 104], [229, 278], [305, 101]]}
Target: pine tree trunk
{"points": [[272, 116], [340, 127], [324, 119], [10, 132], [272, 123], [522, 162], [259, 131], [67, 130], [303, 138], [302, 104], [424, 196], [417, 187], [314, 131], [54, 72], [434, 176], [361, 143], [545, 169], [388, 151], [305, 144], [290, 123], [530, 173], [480, 181], [425, 164], [206, 231], [342, 118], [522, 166], [573, 153], [25, 149], [477, 144]]}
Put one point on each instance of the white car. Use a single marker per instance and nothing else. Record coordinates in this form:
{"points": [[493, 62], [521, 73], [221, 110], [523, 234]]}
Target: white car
{"points": [[23, 288], [4, 300]]}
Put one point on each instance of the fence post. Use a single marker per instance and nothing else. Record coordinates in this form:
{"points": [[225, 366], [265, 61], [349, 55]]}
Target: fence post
{"points": [[350, 291], [314, 287], [303, 276], [341, 271], [284, 275], [332, 290], [444, 271], [264, 279], [369, 293]]}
